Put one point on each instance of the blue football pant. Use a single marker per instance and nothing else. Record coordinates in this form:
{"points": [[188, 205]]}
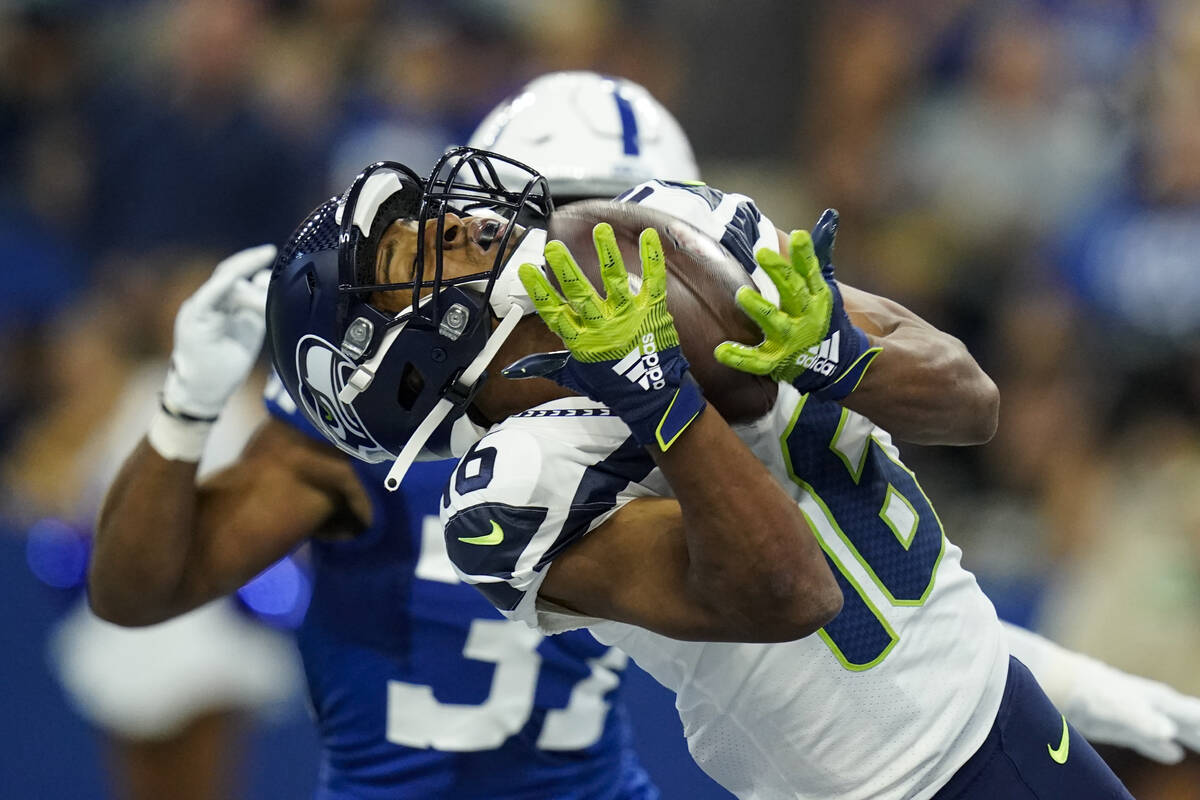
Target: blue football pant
{"points": [[1019, 760]]}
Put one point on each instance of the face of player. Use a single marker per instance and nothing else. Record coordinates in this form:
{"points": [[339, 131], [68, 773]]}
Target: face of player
{"points": [[468, 248]]}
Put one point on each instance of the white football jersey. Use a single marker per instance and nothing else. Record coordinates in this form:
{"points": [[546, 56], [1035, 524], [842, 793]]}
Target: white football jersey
{"points": [[887, 701]]}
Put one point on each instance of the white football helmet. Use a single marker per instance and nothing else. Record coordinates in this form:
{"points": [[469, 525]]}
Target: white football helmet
{"points": [[590, 135]]}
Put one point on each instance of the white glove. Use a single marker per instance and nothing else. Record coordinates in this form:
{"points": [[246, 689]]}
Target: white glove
{"points": [[1115, 707], [1107, 705], [218, 335]]}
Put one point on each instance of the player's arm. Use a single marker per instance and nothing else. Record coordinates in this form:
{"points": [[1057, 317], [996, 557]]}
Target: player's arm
{"points": [[732, 557], [162, 544], [924, 386], [868, 353], [165, 545]]}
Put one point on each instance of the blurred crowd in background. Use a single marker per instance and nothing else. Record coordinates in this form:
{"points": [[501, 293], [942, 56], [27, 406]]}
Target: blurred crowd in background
{"points": [[1022, 173]]}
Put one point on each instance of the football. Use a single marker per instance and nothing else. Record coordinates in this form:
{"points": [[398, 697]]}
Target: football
{"points": [[702, 277]]}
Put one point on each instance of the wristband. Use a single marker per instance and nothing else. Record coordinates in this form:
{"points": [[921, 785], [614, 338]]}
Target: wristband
{"points": [[654, 425], [658, 399], [176, 438], [851, 377]]}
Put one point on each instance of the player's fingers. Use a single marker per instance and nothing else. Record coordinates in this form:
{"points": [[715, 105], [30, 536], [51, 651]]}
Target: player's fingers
{"points": [[1189, 736], [1184, 712], [241, 264], [823, 235], [576, 288], [804, 262], [554, 311], [794, 293], [539, 289], [1162, 751], [766, 315], [262, 277], [612, 267], [250, 296], [775, 266], [654, 265], [744, 358], [1138, 724]]}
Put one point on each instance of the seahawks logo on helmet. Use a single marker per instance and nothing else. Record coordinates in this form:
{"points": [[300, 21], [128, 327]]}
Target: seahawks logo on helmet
{"points": [[323, 371]]}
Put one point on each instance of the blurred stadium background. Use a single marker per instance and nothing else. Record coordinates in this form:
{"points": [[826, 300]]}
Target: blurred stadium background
{"points": [[1024, 174]]}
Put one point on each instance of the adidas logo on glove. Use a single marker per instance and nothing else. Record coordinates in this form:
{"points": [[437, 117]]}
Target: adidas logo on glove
{"points": [[823, 357], [641, 365]]}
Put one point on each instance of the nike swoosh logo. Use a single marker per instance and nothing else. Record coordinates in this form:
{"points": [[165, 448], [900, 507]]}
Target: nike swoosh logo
{"points": [[495, 536], [1059, 755]]}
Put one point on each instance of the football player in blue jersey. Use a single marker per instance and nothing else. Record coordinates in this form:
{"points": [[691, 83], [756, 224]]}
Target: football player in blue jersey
{"points": [[420, 687]]}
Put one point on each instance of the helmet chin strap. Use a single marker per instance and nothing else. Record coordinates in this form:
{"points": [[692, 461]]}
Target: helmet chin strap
{"points": [[444, 406], [508, 290]]}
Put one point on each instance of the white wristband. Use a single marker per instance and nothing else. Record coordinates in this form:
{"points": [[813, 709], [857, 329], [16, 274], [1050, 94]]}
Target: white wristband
{"points": [[177, 439]]}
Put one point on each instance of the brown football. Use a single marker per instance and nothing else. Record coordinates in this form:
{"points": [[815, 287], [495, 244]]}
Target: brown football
{"points": [[702, 278]]}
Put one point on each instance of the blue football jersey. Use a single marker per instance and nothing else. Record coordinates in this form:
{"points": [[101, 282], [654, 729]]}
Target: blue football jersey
{"points": [[420, 688]]}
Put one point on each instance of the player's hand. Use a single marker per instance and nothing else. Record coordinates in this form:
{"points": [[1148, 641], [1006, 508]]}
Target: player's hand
{"points": [[218, 334], [622, 349], [808, 340], [1113, 707]]}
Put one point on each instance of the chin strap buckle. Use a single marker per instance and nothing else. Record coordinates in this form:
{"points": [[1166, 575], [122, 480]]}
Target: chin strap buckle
{"points": [[359, 382], [461, 394]]}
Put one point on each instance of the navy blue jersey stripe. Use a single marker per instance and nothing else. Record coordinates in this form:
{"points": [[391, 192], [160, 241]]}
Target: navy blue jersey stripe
{"points": [[741, 233], [629, 126], [705, 192], [641, 195], [597, 491]]}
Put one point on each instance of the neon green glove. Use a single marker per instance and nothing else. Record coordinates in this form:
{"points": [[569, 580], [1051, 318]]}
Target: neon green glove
{"points": [[596, 329], [622, 350], [799, 322], [810, 341]]}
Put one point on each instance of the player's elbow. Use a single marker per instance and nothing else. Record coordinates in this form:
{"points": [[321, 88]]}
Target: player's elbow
{"points": [[786, 605], [111, 607], [964, 408], [981, 425], [126, 615], [978, 397], [112, 603], [805, 609]]}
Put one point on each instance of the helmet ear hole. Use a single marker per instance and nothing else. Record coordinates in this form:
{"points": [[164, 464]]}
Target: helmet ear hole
{"points": [[411, 384]]}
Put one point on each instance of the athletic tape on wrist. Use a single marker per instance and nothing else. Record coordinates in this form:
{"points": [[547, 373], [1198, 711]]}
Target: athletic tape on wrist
{"points": [[177, 439]]}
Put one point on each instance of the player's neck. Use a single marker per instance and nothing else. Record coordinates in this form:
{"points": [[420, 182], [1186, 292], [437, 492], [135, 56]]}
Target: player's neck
{"points": [[501, 397]]}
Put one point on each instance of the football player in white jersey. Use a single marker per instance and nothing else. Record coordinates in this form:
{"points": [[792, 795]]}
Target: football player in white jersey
{"points": [[787, 578], [577, 128]]}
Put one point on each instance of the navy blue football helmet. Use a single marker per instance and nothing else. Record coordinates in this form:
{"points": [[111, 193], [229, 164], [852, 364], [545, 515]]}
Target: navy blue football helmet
{"points": [[383, 385]]}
